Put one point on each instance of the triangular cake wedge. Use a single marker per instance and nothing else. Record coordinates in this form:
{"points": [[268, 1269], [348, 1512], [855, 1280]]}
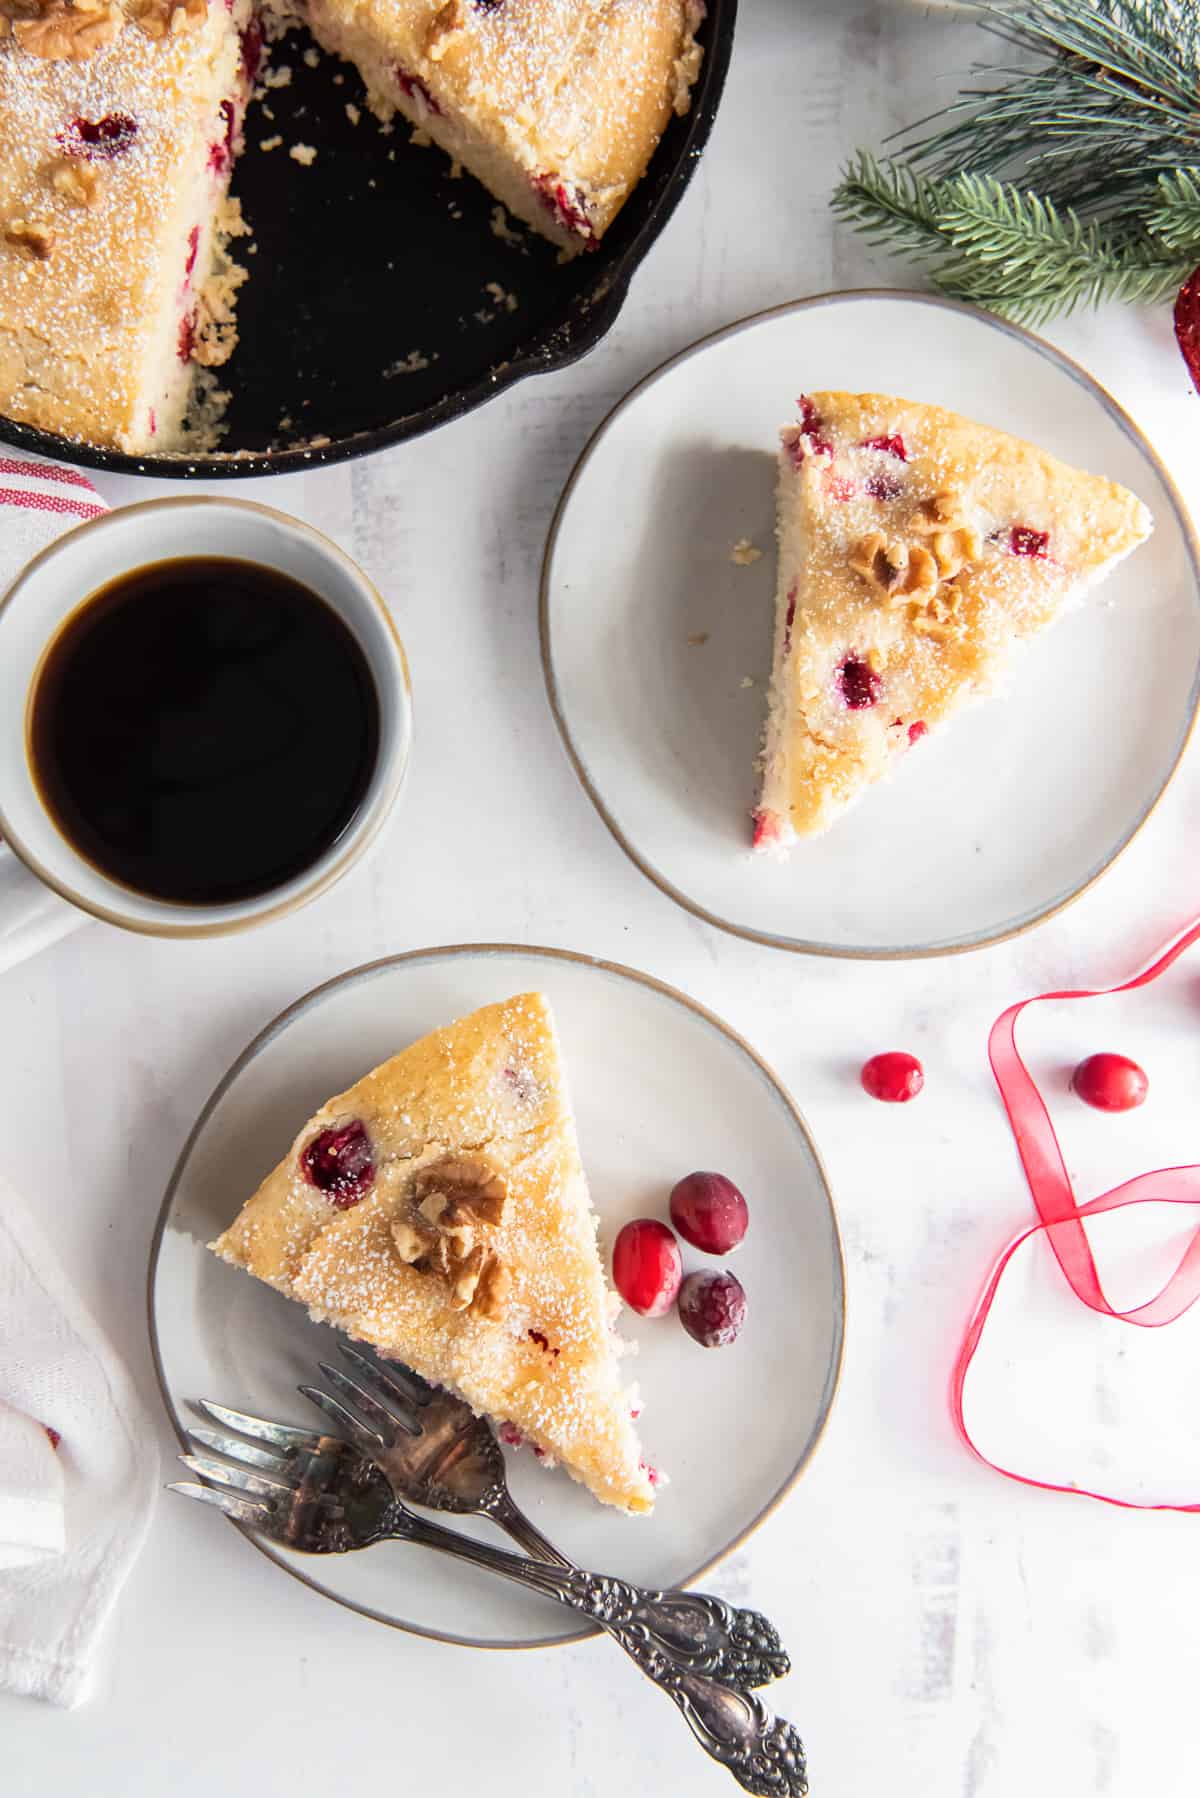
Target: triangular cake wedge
{"points": [[438, 1210], [916, 548]]}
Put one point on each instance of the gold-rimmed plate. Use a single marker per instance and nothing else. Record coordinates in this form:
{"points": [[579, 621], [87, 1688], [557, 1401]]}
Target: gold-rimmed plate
{"points": [[657, 645], [661, 1086]]}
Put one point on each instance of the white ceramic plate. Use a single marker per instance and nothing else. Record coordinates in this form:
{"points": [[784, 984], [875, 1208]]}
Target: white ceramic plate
{"points": [[1004, 816], [660, 1087]]}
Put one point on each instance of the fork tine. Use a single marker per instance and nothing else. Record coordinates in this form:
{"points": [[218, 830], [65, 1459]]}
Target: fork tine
{"points": [[380, 1420], [242, 1510], [271, 1460], [400, 1388], [365, 1441], [242, 1479], [281, 1434]]}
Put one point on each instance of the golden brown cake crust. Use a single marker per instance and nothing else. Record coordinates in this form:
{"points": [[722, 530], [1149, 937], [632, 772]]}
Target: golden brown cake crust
{"points": [[486, 1093], [916, 549]]}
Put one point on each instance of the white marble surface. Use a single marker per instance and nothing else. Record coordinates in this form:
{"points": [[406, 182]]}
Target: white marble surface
{"points": [[952, 1633]]}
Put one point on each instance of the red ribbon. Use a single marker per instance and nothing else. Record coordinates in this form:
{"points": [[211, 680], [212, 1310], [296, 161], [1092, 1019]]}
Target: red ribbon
{"points": [[1061, 1214]]}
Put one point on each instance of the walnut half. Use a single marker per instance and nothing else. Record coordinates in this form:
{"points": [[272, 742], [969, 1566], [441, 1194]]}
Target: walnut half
{"points": [[457, 1199], [167, 18], [901, 571], [58, 32]]}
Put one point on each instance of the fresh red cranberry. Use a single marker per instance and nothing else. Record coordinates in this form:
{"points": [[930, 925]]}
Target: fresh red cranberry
{"points": [[339, 1163], [768, 828], [893, 445], [1110, 1082], [415, 89], [99, 138], [1025, 542], [252, 50], [709, 1212], [789, 620], [187, 337], [712, 1308], [860, 685], [895, 1077], [193, 252], [647, 1267], [566, 202], [883, 485], [917, 731]]}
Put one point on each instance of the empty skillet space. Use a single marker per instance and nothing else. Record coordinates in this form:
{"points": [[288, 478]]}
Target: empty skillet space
{"points": [[367, 298], [651, 633], [659, 1089]]}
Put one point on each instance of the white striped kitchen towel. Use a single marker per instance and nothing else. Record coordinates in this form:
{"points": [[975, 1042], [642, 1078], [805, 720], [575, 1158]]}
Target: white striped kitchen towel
{"points": [[38, 501]]}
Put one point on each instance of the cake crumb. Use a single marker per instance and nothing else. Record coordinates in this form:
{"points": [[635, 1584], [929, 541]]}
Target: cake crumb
{"points": [[304, 154], [312, 57], [501, 296], [352, 112], [501, 227], [747, 680], [744, 553], [411, 364], [698, 639], [280, 77], [270, 143]]}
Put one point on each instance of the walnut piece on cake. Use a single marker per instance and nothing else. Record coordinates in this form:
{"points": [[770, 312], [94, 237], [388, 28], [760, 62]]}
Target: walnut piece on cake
{"points": [[36, 236], [61, 32], [166, 18]]}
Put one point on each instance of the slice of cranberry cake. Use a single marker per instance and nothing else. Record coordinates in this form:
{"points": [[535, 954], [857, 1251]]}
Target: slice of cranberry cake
{"points": [[439, 1210], [555, 105], [120, 121], [916, 549], [117, 137]]}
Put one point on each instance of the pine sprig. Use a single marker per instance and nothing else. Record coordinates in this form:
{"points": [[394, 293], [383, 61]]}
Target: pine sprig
{"points": [[1058, 185]]}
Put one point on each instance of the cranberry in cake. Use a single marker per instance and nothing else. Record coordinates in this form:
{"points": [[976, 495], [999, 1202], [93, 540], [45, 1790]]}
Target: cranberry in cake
{"points": [[916, 550]]}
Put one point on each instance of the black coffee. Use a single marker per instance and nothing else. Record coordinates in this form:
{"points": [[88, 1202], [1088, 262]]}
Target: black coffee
{"points": [[203, 729]]}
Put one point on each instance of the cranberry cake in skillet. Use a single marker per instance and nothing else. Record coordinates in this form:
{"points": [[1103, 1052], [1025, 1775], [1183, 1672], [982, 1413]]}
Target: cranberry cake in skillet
{"points": [[916, 550], [439, 1210], [120, 121]]}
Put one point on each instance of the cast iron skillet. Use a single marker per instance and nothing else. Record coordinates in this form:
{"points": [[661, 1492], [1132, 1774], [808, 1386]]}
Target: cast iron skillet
{"points": [[367, 317]]}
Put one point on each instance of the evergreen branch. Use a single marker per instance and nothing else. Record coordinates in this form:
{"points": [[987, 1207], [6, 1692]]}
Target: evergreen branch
{"points": [[890, 202], [1082, 177], [1175, 220]]}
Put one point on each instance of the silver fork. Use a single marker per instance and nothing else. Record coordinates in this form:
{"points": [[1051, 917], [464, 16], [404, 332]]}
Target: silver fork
{"points": [[321, 1495], [439, 1455]]}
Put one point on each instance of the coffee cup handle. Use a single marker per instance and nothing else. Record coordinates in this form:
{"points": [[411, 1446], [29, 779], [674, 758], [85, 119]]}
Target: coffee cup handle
{"points": [[31, 916]]}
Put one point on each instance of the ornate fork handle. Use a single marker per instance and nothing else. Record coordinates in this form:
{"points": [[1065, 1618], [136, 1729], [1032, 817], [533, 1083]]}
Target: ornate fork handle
{"points": [[700, 1633], [764, 1753]]}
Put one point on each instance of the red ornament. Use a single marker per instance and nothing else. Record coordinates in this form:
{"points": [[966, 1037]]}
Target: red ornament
{"points": [[1187, 325]]}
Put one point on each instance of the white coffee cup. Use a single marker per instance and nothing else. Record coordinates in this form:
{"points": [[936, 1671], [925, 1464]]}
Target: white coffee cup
{"points": [[85, 559]]}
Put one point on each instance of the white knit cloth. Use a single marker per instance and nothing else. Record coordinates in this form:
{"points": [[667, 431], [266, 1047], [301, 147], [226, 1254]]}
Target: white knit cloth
{"points": [[38, 501], [72, 1516]]}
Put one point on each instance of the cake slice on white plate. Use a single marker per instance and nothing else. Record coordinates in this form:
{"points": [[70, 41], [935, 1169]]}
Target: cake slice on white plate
{"points": [[916, 548], [438, 1210]]}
